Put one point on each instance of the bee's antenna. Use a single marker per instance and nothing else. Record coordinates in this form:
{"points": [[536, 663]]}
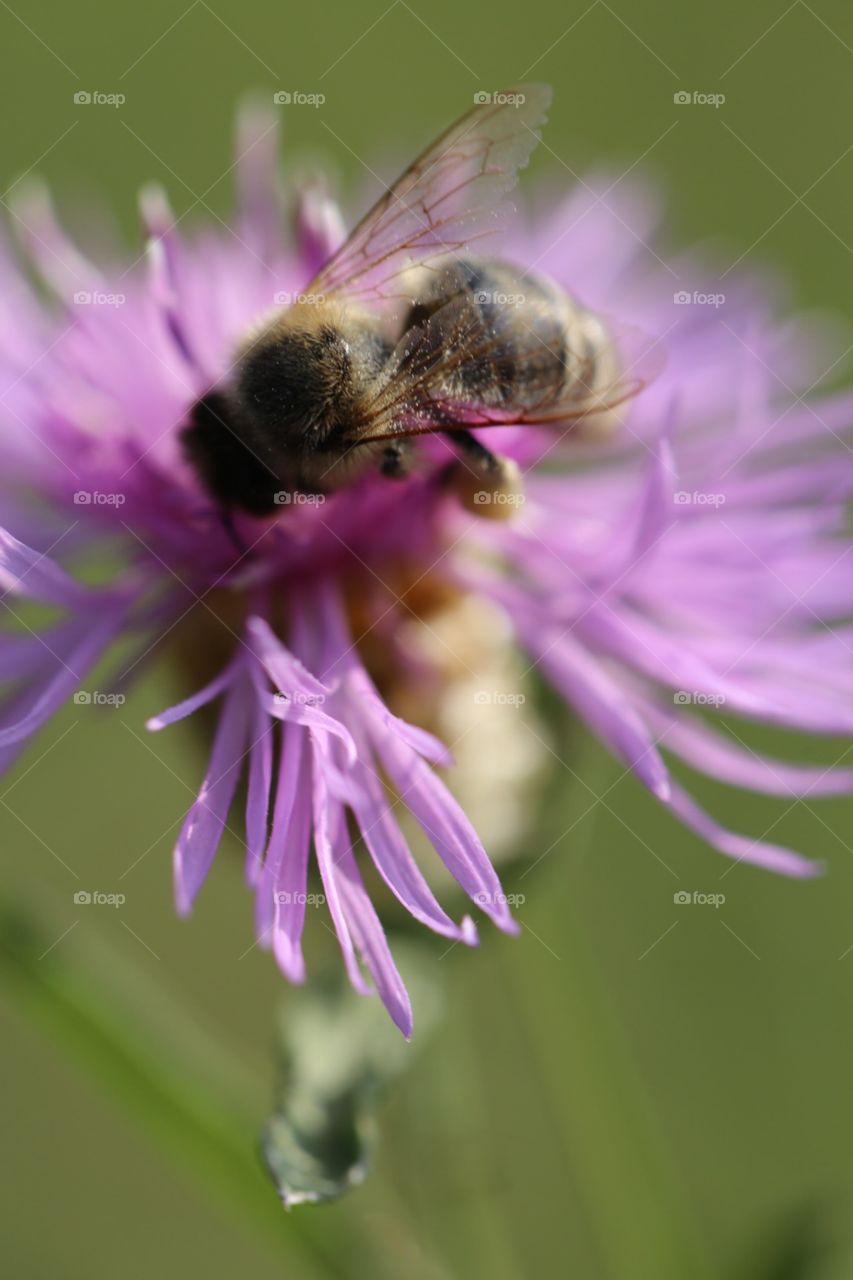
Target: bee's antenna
{"points": [[226, 515]]}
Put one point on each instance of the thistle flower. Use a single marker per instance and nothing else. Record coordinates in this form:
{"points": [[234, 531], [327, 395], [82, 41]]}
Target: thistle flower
{"points": [[698, 559]]}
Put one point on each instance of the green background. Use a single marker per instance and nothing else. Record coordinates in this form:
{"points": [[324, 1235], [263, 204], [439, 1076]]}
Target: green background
{"points": [[628, 1084]]}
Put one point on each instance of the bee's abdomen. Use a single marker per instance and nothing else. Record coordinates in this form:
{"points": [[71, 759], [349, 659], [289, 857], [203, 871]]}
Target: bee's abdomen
{"points": [[519, 337]]}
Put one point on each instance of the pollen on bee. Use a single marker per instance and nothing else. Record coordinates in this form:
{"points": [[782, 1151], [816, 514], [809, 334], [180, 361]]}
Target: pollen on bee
{"points": [[494, 493]]}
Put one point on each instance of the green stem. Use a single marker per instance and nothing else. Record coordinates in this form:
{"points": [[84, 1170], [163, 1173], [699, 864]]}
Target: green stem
{"points": [[625, 1170], [191, 1099]]}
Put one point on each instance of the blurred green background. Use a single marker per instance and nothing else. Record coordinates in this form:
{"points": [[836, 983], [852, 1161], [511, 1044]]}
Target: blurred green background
{"points": [[628, 1084]]}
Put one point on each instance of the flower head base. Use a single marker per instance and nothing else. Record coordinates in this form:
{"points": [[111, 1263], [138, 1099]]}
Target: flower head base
{"points": [[696, 561]]}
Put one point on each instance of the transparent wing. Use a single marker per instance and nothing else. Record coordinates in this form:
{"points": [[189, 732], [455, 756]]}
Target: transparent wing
{"points": [[450, 198], [427, 385]]}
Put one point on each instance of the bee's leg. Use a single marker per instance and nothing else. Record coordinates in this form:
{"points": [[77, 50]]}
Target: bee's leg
{"points": [[395, 460], [474, 452], [485, 482]]}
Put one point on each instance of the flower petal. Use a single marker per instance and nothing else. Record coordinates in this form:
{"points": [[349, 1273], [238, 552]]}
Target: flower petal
{"points": [[189, 706], [283, 886], [329, 823], [445, 823], [32, 574], [394, 862], [600, 700], [369, 938], [258, 793], [203, 826], [758, 853], [721, 757], [73, 666]]}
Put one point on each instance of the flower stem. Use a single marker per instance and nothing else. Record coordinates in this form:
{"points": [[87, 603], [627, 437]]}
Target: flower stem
{"points": [[625, 1170], [182, 1087]]}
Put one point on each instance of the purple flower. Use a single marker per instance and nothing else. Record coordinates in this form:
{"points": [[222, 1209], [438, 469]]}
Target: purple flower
{"points": [[697, 560]]}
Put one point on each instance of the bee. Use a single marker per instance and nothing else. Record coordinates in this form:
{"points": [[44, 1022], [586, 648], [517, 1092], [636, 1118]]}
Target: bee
{"points": [[410, 330]]}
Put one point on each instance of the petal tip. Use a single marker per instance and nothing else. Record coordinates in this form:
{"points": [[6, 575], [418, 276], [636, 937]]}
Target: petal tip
{"points": [[468, 932], [404, 1020], [663, 790]]}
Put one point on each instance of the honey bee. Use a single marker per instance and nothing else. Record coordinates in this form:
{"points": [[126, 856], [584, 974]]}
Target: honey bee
{"points": [[410, 329]]}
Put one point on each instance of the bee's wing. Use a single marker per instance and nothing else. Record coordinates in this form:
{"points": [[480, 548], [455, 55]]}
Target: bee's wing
{"points": [[449, 198], [415, 396]]}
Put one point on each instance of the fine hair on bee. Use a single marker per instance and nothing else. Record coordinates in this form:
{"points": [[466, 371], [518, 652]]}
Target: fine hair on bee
{"points": [[403, 334]]}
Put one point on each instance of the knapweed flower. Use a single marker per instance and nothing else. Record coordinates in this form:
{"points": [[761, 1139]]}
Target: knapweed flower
{"points": [[694, 561]]}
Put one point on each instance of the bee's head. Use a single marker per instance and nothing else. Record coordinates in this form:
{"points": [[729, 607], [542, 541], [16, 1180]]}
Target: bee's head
{"points": [[294, 381]]}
